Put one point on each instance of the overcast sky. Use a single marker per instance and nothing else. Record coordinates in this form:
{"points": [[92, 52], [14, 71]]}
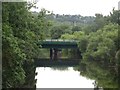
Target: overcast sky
{"points": [[82, 7]]}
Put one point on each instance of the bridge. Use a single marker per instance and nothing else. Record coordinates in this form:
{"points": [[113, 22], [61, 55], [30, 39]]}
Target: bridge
{"points": [[55, 46], [59, 43]]}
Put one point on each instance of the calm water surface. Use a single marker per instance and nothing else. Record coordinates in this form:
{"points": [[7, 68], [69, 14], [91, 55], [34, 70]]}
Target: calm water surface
{"points": [[50, 78]]}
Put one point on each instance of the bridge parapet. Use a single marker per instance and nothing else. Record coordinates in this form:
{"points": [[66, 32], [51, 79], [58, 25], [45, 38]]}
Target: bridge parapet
{"points": [[58, 43], [60, 40]]}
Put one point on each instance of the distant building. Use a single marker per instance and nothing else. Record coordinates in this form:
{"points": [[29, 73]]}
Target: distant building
{"points": [[119, 5]]}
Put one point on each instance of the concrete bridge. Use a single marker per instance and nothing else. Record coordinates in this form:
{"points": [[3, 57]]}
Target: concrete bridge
{"points": [[55, 46], [58, 43]]}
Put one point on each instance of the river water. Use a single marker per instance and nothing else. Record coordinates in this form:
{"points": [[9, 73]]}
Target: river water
{"points": [[69, 78]]}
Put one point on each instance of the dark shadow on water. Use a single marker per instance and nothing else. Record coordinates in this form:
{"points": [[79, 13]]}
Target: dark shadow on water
{"points": [[63, 68]]}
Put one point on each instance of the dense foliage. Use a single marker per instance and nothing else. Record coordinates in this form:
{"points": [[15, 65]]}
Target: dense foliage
{"points": [[21, 32], [100, 53], [100, 50]]}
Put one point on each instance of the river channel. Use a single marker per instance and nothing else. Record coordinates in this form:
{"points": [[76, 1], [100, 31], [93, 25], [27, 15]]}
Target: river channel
{"points": [[49, 77]]}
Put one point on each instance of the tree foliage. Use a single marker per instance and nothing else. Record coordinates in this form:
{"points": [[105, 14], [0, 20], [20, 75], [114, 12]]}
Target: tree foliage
{"points": [[100, 50], [21, 32], [99, 43]]}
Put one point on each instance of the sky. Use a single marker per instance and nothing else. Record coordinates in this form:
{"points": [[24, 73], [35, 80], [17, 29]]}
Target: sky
{"points": [[82, 7], [48, 78]]}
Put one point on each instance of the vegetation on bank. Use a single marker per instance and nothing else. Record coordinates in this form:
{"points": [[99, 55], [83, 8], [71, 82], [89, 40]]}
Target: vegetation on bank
{"points": [[21, 32], [22, 29], [100, 49]]}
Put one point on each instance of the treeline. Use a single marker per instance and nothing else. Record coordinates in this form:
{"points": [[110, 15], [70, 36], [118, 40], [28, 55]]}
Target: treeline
{"points": [[21, 31], [68, 24], [69, 18]]}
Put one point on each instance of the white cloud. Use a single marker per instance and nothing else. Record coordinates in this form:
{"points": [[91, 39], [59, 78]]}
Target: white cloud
{"points": [[83, 7]]}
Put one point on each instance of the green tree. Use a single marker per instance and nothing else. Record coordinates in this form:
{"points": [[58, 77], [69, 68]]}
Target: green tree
{"points": [[21, 33], [57, 31], [76, 28], [99, 52], [114, 16], [13, 57]]}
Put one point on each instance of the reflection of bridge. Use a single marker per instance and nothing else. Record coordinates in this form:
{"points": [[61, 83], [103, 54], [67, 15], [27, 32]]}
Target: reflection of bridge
{"points": [[55, 46], [44, 62]]}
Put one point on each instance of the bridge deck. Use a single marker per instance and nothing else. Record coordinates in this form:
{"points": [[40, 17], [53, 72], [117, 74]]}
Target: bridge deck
{"points": [[60, 62], [59, 43]]}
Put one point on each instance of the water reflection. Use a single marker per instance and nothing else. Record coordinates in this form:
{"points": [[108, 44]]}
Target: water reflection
{"points": [[68, 78]]}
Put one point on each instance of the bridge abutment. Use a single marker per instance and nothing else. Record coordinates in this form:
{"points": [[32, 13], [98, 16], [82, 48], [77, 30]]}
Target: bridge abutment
{"points": [[54, 53], [51, 53]]}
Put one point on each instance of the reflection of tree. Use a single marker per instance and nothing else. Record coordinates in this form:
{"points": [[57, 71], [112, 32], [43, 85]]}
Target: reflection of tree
{"points": [[99, 62], [96, 85], [104, 76]]}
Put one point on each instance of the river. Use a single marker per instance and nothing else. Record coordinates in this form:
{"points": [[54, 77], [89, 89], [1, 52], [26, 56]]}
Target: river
{"points": [[48, 77]]}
